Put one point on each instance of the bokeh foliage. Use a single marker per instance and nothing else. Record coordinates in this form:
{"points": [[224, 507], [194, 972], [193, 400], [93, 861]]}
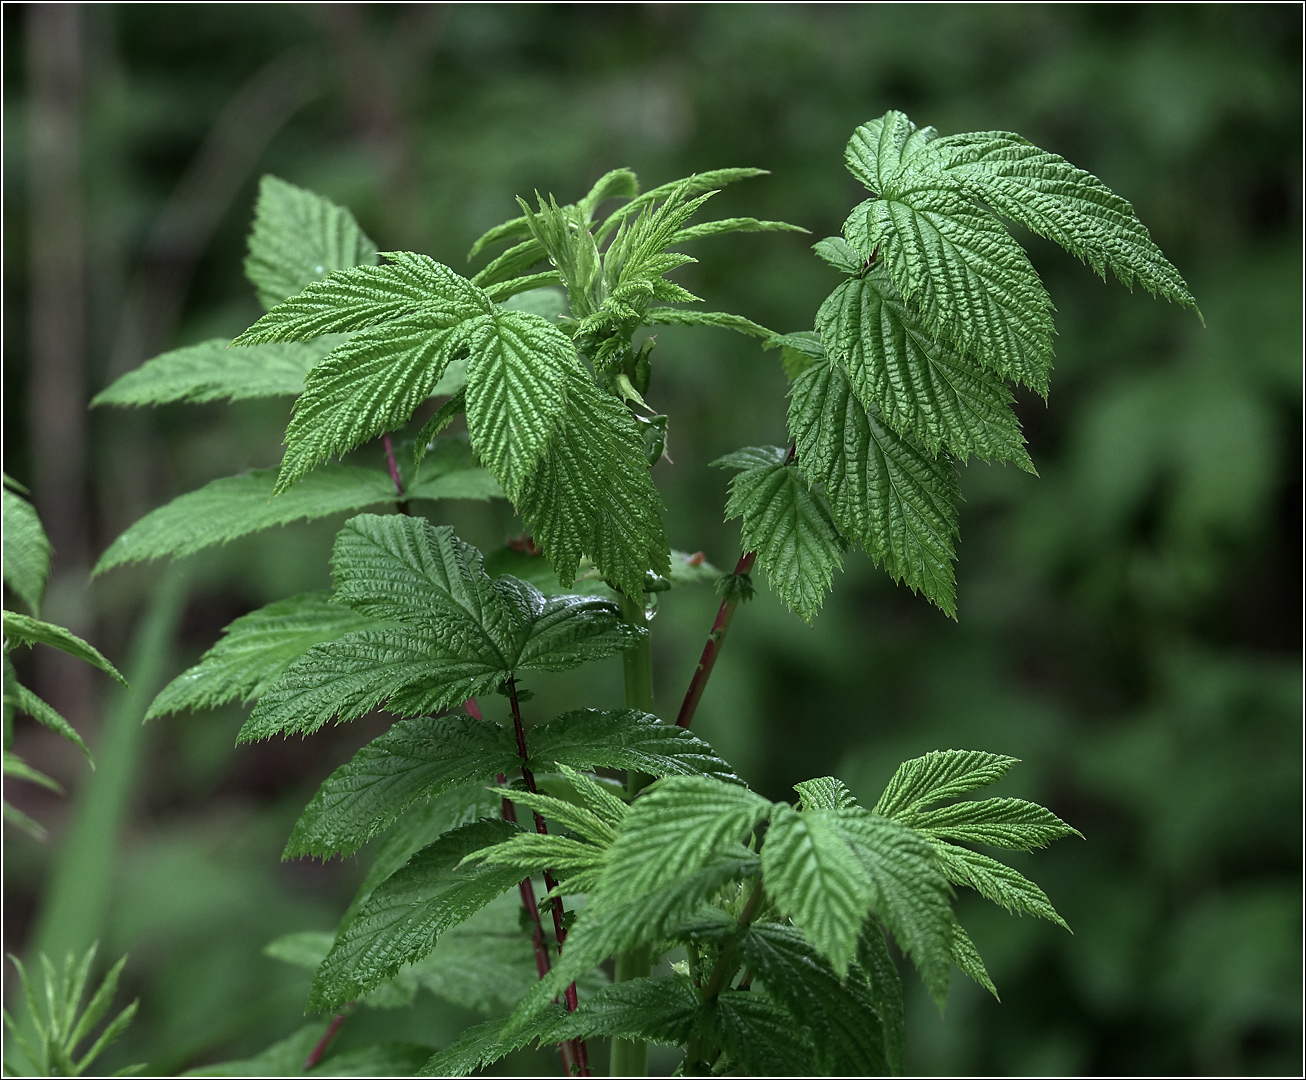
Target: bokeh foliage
{"points": [[1128, 621]]}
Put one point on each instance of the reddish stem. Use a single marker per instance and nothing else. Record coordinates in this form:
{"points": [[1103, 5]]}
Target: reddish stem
{"points": [[712, 649], [394, 472], [550, 883], [327, 1036]]}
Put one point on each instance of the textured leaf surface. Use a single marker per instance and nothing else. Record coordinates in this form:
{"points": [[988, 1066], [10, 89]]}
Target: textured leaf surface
{"points": [[995, 881], [1048, 195], [658, 1010], [24, 630], [925, 389], [21, 699], [886, 990], [299, 237], [676, 827], [1007, 823], [404, 917], [939, 775], [759, 1036], [665, 316], [814, 877], [481, 1046], [796, 542], [893, 497], [254, 650], [910, 893], [413, 760], [967, 958], [592, 495], [26, 551], [590, 738], [825, 793], [843, 1013], [213, 371]]}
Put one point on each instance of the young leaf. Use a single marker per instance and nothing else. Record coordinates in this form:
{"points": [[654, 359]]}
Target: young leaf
{"points": [[24, 630], [19, 769], [730, 225], [17, 698], [967, 958], [591, 494], [299, 237], [1007, 823], [995, 881], [939, 775], [844, 1014], [533, 853], [666, 316], [824, 793], [814, 877], [254, 650], [677, 826], [413, 760], [894, 498], [404, 917], [796, 542], [213, 371], [590, 739], [26, 550], [925, 389]]}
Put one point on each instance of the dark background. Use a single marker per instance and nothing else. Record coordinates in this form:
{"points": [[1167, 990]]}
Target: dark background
{"points": [[1129, 621]]}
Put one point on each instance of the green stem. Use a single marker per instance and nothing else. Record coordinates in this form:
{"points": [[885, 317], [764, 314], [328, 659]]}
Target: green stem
{"points": [[630, 1057]]}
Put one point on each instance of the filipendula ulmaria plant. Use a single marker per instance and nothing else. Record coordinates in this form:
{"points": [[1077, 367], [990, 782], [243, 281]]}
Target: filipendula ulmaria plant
{"points": [[777, 913]]}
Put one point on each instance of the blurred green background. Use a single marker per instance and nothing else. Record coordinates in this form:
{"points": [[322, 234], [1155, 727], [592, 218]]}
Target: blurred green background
{"points": [[1129, 621]]}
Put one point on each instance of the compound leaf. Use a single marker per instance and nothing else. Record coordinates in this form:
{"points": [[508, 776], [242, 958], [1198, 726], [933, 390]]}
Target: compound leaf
{"points": [[939, 775], [299, 237], [995, 881], [414, 760], [666, 316], [759, 1035], [658, 1010], [24, 630], [1006, 823]]}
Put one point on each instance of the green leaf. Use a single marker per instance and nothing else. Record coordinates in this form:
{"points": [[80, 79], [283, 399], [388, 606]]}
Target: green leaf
{"points": [[254, 650], [657, 1010], [628, 739], [462, 633], [448, 470], [24, 630], [886, 990], [234, 506], [665, 316], [1048, 195], [283, 1058], [842, 1012], [939, 775], [731, 225], [678, 825], [796, 542], [706, 181], [925, 389], [404, 917], [910, 893], [824, 793], [213, 371], [813, 876], [591, 494], [837, 252], [532, 853], [19, 769], [878, 148], [26, 550], [759, 1036], [797, 351], [481, 1046], [518, 382], [995, 881], [298, 238], [967, 958], [577, 813], [894, 498], [412, 761], [441, 419], [691, 569], [1006, 823]]}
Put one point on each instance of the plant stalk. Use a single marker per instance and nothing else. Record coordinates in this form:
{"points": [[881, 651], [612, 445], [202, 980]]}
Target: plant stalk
{"points": [[630, 1057], [712, 649], [316, 1054], [393, 466], [577, 1046]]}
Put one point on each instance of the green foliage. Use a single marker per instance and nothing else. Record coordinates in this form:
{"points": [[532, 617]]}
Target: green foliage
{"points": [[60, 1023], [26, 550], [796, 542], [24, 630], [299, 237]]}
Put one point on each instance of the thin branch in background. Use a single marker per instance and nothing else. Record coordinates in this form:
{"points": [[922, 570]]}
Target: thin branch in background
{"points": [[712, 649], [402, 502], [315, 1055]]}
